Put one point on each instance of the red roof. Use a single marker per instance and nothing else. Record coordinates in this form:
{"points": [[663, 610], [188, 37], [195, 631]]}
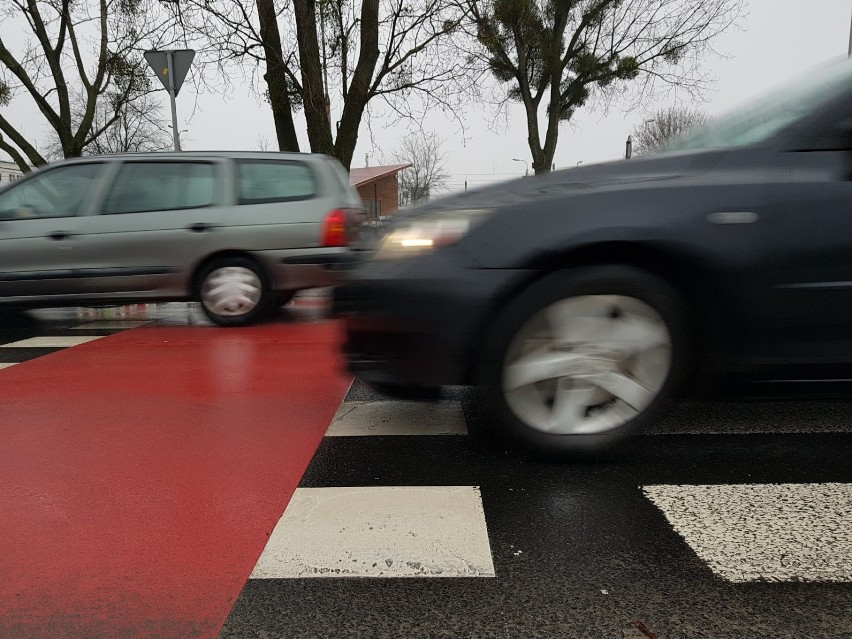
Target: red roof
{"points": [[360, 177]]}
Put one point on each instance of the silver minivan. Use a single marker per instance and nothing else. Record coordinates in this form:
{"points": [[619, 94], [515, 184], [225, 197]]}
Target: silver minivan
{"points": [[238, 231]]}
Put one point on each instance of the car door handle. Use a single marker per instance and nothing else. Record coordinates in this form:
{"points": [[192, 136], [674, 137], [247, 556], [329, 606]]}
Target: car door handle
{"points": [[733, 217], [59, 235], [200, 227]]}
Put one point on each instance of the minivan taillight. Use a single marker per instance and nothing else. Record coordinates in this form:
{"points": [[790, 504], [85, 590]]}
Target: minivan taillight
{"points": [[334, 229]]}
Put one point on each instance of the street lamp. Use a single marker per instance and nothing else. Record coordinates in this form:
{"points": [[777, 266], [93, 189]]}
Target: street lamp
{"points": [[526, 166], [579, 163]]}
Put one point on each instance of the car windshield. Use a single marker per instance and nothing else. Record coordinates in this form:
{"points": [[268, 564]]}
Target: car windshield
{"points": [[762, 119]]}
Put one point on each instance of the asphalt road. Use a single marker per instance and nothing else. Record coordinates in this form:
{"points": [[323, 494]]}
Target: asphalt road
{"points": [[731, 521]]}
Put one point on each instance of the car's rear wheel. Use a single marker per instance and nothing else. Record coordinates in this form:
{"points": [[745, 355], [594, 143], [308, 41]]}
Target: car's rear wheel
{"points": [[234, 291], [584, 358]]}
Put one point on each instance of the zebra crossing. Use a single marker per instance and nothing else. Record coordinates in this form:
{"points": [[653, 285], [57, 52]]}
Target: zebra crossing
{"points": [[748, 503]]}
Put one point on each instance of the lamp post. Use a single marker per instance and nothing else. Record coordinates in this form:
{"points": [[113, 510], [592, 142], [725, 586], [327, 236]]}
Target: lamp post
{"points": [[579, 163], [526, 166]]}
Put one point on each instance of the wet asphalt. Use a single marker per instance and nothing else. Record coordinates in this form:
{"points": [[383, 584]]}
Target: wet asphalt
{"points": [[578, 550]]}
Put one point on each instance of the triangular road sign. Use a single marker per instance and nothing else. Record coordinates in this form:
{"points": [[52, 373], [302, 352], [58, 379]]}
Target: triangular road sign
{"points": [[181, 61]]}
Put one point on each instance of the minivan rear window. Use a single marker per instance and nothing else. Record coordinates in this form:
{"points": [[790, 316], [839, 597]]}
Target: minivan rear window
{"points": [[161, 186], [262, 181]]}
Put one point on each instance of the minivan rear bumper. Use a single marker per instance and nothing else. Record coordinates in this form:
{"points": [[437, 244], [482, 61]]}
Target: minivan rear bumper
{"points": [[328, 261], [294, 270]]}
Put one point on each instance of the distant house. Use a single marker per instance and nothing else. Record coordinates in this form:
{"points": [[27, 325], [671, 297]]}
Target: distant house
{"points": [[378, 187], [9, 172]]}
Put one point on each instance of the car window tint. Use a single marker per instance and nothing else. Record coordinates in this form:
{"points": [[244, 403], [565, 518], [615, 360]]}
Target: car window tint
{"points": [[274, 181], [161, 186], [57, 192]]}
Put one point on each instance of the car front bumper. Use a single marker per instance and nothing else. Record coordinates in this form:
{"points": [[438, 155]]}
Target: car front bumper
{"points": [[419, 321]]}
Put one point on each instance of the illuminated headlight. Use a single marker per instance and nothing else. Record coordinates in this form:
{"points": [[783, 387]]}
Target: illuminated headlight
{"points": [[428, 233]]}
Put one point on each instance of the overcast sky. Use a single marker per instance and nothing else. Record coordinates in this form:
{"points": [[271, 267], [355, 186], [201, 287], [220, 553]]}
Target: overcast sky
{"points": [[778, 40]]}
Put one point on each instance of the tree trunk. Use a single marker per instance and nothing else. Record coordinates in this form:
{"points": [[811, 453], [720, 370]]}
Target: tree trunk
{"points": [[276, 81], [359, 91], [313, 91]]}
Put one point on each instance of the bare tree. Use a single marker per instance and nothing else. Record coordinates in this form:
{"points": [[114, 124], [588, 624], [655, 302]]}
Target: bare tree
{"points": [[80, 66], [554, 56], [666, 126], [427, 175], [262, 142], [334, 58], [139, 127]]}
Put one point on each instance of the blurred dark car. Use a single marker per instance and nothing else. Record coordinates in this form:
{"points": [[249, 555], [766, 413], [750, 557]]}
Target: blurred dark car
{"points": [[584, 300]]}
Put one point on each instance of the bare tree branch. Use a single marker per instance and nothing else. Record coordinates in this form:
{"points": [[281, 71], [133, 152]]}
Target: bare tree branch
{"points": [[427, 175], [374, 52], [576, 51], [666, 126], [82, 91]]}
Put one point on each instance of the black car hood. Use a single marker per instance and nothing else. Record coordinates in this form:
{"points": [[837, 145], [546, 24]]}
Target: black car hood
{"points": [[609, 176]]}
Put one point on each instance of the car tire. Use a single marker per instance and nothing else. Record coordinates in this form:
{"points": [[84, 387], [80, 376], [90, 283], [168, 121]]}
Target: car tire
{"points": [[583, 359], [234, 291]]}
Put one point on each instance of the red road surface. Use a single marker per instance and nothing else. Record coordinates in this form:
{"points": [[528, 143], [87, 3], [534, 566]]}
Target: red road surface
{"points": [[141, 474]]}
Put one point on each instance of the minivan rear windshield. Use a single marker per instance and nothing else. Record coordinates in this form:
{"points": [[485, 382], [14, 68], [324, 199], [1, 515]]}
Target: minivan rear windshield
{"points": [[263, 181]]}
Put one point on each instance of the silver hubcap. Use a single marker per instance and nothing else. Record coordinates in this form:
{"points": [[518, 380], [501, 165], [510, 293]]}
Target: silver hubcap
{"points": [[587, 364], [231, 291]]}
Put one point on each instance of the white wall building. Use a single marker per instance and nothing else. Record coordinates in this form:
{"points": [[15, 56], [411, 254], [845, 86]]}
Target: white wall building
{"points": [[9, 172]]}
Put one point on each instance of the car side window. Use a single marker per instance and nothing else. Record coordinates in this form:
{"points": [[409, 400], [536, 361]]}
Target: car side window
{"points": [[56, 192], [161, 186], [262, 181]]}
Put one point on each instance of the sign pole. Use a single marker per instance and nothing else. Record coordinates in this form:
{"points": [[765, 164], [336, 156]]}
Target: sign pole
{"points": [[171, 66]]}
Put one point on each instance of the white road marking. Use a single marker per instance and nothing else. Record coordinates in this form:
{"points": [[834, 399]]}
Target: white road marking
{"points": [[764, 532], [398, 418], [58, 341], [7, 364], [396, 531]]}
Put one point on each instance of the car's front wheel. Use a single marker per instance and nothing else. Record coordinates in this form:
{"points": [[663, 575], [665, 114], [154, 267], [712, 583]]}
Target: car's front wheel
{"points": [[234, 291], [584, 358]]}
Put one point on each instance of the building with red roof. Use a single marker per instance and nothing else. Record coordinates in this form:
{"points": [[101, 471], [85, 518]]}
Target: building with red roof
{"points": [[378, 187]]}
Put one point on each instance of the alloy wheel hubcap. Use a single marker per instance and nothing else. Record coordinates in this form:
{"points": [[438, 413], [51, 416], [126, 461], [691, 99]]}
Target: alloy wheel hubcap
{"points": [[231, 291], [587, 364]]}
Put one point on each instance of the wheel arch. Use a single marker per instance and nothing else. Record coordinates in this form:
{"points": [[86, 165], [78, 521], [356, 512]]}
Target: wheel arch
{"points": [[690, 276]]}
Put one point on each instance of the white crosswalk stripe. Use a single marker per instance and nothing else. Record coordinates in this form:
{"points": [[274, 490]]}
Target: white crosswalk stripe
{"points": [[358, 418], [770, 532], [386, 531], [55, 341]]}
